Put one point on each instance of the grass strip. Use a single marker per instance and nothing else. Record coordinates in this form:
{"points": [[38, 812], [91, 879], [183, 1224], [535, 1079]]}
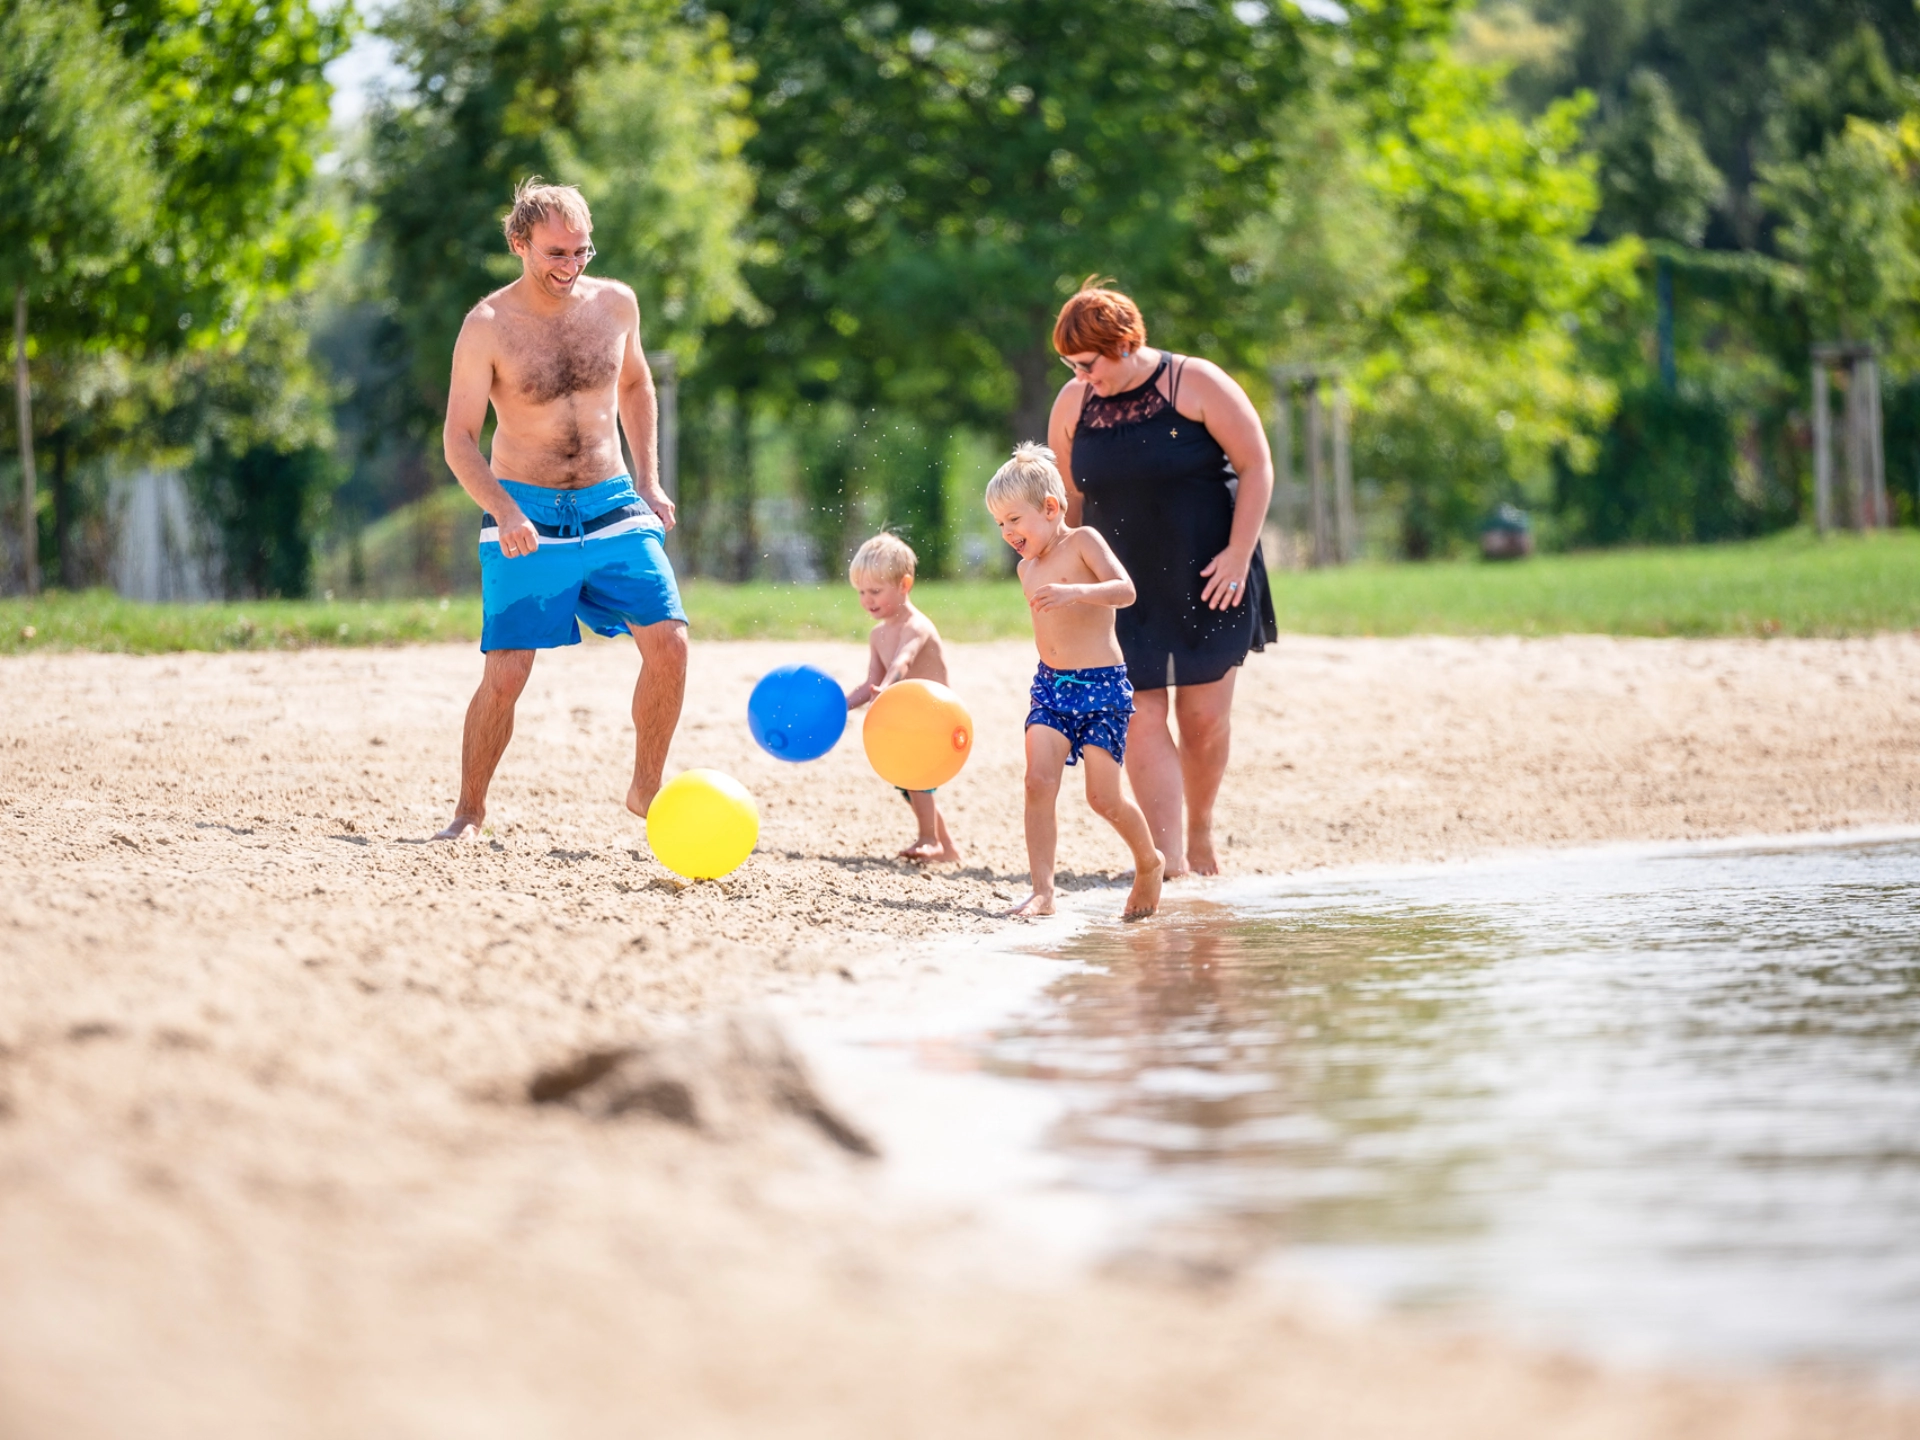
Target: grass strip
{"points": [[1792, 584]]}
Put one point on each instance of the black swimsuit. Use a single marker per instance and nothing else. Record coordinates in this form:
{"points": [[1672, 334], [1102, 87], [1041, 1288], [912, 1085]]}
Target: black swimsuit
{"points": [[1161, 490]]}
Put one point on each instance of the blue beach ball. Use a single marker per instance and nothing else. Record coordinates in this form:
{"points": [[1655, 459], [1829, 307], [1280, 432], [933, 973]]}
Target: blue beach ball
{"points": [[797, 712]]}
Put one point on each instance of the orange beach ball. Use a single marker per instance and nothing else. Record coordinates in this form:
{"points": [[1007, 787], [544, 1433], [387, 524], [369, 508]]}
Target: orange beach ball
{"points": [[917, 735]]}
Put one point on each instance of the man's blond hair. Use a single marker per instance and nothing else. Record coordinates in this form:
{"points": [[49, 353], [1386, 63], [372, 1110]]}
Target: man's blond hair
{"points": [[535, 200], [885, 557], [1030, 475]]}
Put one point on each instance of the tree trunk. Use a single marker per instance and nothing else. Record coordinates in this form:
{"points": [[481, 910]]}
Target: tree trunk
{"points": [[1038, 377], [29, 500]]}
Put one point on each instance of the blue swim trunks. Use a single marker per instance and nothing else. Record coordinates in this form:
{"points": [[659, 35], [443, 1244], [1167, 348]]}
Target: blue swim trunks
{"points": [[1089, 707], [602, 559]]}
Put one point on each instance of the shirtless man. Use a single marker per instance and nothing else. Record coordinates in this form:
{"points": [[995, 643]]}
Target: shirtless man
{"points": [[567, 535]]}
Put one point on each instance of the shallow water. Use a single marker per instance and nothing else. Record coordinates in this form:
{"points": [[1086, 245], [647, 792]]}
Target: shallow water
{"points": [[1655, 1105]]}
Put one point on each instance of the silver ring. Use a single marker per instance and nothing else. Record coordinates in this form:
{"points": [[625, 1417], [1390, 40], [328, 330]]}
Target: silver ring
{"points": [[1233, 584]]}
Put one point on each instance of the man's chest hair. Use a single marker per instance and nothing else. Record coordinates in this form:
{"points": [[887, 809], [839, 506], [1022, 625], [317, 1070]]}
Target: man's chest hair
{"points": [[546, 360]]}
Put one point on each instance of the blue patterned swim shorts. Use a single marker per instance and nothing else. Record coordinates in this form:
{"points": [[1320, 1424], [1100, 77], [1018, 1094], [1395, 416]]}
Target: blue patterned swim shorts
{"points": [[1089, 707], [601, 559]]}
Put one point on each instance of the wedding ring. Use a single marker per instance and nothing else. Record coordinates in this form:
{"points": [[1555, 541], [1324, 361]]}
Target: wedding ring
{"points": [[1233, 584]]}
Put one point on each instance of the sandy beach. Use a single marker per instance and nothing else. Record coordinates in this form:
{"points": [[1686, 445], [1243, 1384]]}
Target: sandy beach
{"points": [[270, 1156]]}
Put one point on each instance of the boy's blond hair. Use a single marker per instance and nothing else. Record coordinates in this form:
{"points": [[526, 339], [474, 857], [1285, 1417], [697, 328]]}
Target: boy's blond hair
{"points": [[535, 200], [885, 557], [1030, 475]]}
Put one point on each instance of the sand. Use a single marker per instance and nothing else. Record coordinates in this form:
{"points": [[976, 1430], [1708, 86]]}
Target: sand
{"points": [[268, 1161]]}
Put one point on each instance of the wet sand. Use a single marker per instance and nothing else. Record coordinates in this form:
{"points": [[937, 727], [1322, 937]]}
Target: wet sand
{"points": [[267, 1158]]}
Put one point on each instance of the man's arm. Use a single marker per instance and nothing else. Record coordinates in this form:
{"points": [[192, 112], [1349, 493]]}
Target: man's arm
{"points": [[466, 412], [640, 417]]}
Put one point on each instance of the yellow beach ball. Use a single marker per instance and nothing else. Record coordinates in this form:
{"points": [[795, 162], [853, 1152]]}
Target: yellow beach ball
{"points": [[917, 735], [702, 824]]}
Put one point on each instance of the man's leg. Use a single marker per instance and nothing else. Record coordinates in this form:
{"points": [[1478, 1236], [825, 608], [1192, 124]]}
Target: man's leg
{"points": [[1205, 715], [1153, 765], [489, 728], [1110, 803], [657, 696], [1047, 751]]}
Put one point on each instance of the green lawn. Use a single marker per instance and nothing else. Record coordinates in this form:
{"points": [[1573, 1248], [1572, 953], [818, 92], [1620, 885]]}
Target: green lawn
{"points": [[1788, 585]]}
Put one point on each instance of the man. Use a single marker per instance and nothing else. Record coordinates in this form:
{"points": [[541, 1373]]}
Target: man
{"points": [[567, 535]]}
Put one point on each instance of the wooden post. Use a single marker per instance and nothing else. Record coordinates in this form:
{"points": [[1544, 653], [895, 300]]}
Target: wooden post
{"points": [[1317, 474], [1822, 449], [1878, 515], [1346, 536], [1858, 495], [1282, 444], [29, 496]]}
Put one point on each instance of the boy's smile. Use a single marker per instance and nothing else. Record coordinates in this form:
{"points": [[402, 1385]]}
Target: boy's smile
{"points": [[1030, 530]]}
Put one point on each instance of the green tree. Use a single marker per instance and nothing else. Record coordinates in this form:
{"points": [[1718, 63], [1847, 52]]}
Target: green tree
{"points": [[640, 105], [934, 176], [1655, 178], [75, 188]]}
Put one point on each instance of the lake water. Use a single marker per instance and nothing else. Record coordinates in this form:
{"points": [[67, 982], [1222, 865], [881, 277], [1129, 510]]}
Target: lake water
{"points": [[1656, 1105]]}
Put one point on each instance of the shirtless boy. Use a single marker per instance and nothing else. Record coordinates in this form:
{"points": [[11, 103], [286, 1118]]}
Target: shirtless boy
{"points": [[903, 646], [567, 535], [1081, 697]]}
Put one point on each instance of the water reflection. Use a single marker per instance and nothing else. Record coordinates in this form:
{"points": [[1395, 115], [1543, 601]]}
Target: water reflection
{"points": [[1654, 1104]]}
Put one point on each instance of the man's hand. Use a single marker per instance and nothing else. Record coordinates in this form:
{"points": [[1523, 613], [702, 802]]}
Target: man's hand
{"points": [[517, 536], [1056, 596], [658, 502]]}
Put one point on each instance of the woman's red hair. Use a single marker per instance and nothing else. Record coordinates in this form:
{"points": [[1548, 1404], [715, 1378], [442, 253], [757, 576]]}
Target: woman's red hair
{"points": [[1096, 318]]}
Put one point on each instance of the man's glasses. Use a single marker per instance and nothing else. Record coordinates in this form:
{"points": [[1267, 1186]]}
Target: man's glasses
{"points": [[1079, 367], [578, 257]]}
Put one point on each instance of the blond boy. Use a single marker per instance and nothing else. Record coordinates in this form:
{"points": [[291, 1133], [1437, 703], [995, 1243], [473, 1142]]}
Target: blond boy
{"points": [[1081, 697], [903, 645]]}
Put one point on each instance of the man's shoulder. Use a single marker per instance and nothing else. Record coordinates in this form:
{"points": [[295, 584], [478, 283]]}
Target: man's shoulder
{"points": [[615, 295], [488, 311]]}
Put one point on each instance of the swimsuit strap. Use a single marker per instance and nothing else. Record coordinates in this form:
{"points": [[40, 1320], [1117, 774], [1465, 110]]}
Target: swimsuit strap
{"points": [[567, 503], [1178, 371]]}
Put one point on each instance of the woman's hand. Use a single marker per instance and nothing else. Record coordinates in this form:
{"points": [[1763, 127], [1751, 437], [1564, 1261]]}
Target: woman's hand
{"points": [[1226, 577]]}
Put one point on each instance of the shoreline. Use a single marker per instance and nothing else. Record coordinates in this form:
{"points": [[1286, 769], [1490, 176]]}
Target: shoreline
{"points": [[266, 1156]]}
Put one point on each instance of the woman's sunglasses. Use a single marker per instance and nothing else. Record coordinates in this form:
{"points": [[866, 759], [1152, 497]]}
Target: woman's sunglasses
{"points": [[1079, 367]]}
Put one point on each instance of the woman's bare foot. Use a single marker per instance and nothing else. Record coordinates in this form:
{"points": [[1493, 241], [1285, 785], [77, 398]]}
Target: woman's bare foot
{"points": [[464, 827], [1034, 906], [1200, 855], [930, 852], [1144, 898]]}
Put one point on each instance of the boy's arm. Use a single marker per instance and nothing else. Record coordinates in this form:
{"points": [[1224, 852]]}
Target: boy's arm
{"points": [[1111, 585], [904, 657], [870, 687]]}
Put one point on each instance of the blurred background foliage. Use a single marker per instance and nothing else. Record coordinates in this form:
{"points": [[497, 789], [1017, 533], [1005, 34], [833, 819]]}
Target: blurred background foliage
{"points": [[852, 224]]}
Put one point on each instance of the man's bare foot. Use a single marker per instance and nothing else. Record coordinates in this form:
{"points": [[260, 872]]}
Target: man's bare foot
{"points": [[464, 827], [930, 852], [1201, 858], [638, 800], [1033, 907], [1144, 898]]}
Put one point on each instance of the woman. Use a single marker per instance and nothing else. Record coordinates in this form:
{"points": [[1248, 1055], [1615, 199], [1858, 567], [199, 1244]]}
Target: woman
{"points": [[1164, 455]]}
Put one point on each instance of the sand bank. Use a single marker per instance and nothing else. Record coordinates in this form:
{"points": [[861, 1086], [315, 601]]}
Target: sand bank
{"points": [[268, 1163]]}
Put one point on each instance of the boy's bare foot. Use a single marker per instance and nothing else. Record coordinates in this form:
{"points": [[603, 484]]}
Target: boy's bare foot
{"points": [[930, 852], [1036, 905], [464, 827], [1144, 898]]}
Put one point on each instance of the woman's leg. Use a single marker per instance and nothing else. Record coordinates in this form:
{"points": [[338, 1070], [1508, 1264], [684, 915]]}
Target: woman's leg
{"points": [[1153, 768], [1205, 717]]}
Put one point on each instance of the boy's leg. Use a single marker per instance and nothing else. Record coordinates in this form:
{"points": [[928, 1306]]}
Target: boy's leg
{"points": [[1047, 752], [1110, 802], [934, 843]]}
